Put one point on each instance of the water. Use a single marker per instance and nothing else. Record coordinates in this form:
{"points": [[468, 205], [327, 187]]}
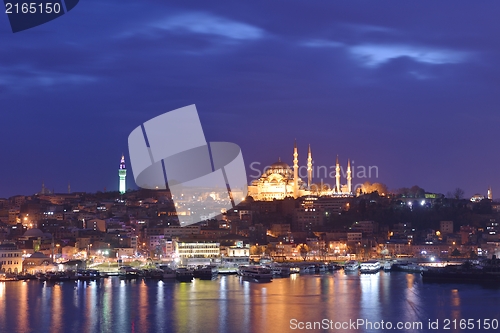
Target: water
{"points": [[230, 304]]}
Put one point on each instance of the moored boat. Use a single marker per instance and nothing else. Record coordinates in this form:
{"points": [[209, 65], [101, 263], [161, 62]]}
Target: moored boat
{"points": [[320, 268], [444, 274], [370, 266], [387, 266], [207, 272], [129, 273], [258, 273], [408, 267], [334, 267], [7, 277], [57, 276], [183, 274], [281, 271], [351, 265], [168, 273]]}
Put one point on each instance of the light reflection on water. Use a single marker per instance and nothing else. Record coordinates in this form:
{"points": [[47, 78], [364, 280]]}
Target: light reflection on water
{"points": [[230, 304]]}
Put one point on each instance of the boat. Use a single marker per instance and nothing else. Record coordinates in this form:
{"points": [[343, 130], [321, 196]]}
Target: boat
{"points": [[168, 273], [86, 275], [41, 277], [155, 273], [387, 266], [370, 266], [183, 274], [25, 277], [307, 268], [129, 273], [457, 275], [320, 268], [258, 273], [206, 272], [334, 267], [7, 277], [281, 271], [57, 276], [408, 267], [351, 265], [294, 269]]}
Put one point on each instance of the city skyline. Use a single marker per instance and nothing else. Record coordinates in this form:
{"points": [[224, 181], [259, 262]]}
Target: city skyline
{"points": [[370, 83]]}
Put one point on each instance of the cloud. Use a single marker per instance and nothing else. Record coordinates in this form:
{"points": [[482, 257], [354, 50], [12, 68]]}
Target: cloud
{"points": [[206, 24], [321, 43], [373, 55], [22, 77]]}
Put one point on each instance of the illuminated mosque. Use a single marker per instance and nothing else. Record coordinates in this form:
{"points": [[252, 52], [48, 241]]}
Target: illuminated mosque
{"points": [[279, 181]]}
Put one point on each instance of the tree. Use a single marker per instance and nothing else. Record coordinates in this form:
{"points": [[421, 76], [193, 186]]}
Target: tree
{"points": [[256, 250], [304, 251], [457, 194], [455, 253], [367, 187]]}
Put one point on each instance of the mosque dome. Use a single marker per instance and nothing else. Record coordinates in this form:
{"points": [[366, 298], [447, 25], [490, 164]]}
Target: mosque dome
{"points": [[38, 255], [280, 168], [33, 233]]}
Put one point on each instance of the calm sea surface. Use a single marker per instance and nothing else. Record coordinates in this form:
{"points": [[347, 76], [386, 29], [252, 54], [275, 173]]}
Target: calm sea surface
{"points": [[230, 304]]}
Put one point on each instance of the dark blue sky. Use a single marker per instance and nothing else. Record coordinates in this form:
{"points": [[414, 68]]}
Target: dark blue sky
{"points": [[411, 87]]}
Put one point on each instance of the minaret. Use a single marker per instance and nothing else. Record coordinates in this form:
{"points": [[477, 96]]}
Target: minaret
{"points": [[309, 168], [490, 194], [122, 173], [43, 188], [337, 175], [349, 178], [295, 171], [69, 188]]}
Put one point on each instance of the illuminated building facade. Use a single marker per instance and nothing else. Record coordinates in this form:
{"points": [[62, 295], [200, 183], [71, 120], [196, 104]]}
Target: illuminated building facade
{"points": [[196, 248], [11, 260], [280, 181]]}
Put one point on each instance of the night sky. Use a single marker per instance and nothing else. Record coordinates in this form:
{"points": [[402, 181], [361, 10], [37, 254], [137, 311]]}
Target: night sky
{"points": [[412, 87]]}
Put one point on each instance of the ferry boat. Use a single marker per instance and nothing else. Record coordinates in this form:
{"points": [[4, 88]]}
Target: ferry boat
{"points": [[183, 274], [155, 274], [457, 274], [86, 275], [57, 276], [370, 266], [258, 273], [351, 265], [168, 273], [208, 272], [408, 267], [281, 271], [129, 273]]}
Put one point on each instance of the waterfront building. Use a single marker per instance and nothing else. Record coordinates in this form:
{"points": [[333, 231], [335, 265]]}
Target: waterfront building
{"points": [[11, 260], [279, 181], [122, 173], [196, 248], [37, 262]]}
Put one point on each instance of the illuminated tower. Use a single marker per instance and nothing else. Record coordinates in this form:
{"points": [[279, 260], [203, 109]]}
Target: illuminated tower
{"points": [[309, 168], [122, 173], [349, 178], [337, 175], [295, 171], [490, 194]]}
